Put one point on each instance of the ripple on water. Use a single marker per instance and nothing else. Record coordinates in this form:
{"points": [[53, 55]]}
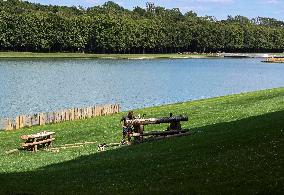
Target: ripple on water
{"points": [[31, 86]]}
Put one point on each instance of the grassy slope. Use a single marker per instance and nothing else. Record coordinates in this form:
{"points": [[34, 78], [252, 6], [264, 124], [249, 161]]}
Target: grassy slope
{"points": [[237, 145], [102, 56]]}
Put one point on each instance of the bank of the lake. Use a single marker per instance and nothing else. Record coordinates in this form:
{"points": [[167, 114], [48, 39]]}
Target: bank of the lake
{"points": [[102, 56], [237, 145]]}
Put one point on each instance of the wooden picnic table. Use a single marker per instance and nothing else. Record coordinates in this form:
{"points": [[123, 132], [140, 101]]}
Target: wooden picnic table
{"points": [[35, 141]]}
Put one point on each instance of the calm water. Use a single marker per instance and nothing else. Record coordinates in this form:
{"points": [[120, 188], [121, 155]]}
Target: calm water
{"points": [[31, 86]]}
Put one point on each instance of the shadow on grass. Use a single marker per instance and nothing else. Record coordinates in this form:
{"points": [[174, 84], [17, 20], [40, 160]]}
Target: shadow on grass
{"points": [[244, 156]]}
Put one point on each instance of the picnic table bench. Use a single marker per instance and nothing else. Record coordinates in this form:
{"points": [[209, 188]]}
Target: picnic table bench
{"points": [[34, 141]]}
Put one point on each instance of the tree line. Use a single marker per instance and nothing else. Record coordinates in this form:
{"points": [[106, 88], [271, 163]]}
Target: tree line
{"points": [[110, 28]]}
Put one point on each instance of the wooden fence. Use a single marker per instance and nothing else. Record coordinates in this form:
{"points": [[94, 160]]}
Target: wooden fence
{"points": [[58, 117]]}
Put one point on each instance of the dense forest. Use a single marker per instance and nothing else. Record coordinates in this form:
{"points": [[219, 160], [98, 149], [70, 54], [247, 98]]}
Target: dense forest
{"points": [[110, 28]]}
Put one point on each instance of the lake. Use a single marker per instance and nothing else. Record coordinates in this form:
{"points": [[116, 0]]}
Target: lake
{"points": [[40, 85]]}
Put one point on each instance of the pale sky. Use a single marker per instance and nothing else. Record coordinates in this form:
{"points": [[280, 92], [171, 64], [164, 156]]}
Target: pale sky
{"points": [[218, 8]]}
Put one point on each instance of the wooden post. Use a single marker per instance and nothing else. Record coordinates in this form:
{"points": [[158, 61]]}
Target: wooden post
{"points": [[90, 112], [64, 115], [87, 112], [84, 113], [93, 111], [106, 109], [114, 108], [78, 113], [9, 125], [67, 115], [55, 117], [111, 109], [81, 113], [18, 122], [22, 121], [103, 111], [36, 119], [41, 119], [118, 108], [28, 121], [58, 118], [98, 110], [72, 114], [47, 118]]}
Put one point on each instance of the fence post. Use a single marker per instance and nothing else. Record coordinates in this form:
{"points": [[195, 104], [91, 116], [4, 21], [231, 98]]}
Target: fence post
{"points": [[9, 125], [72, 114], [75, 114], [47, 118], [93, 111], [22, 121], [28, 121], [56, 117], [41, 119], [66, 115], [18, 118]]}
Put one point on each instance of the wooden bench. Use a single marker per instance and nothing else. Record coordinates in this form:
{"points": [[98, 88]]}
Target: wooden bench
{"points": [[35, 141]]}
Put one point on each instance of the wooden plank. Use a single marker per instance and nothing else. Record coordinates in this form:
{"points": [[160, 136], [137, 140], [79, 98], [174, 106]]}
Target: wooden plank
{"points": [[164, 132], [38, 142], [12, 151], [37, 135], [165, 137]]}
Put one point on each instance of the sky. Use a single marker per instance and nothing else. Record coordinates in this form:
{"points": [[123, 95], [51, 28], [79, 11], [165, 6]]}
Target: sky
{"points": [[218, 8]]}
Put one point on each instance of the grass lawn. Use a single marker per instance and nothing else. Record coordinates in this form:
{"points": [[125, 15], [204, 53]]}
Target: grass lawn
{"points": [[237, 146], [99, 56]]}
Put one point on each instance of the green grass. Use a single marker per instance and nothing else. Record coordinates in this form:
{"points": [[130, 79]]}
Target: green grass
{"points": [[237, 146], [98, 56]]}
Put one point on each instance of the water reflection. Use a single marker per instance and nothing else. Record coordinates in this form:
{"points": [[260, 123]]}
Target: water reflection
{"points": [[30, 86]]}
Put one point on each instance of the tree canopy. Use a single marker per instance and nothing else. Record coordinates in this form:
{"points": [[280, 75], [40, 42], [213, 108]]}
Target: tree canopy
{"points": [[110, 28]]}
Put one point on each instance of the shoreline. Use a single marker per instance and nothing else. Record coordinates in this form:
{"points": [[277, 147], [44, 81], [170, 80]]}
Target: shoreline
{"points": [[215, 98], [23, 55], [32, 55]]}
